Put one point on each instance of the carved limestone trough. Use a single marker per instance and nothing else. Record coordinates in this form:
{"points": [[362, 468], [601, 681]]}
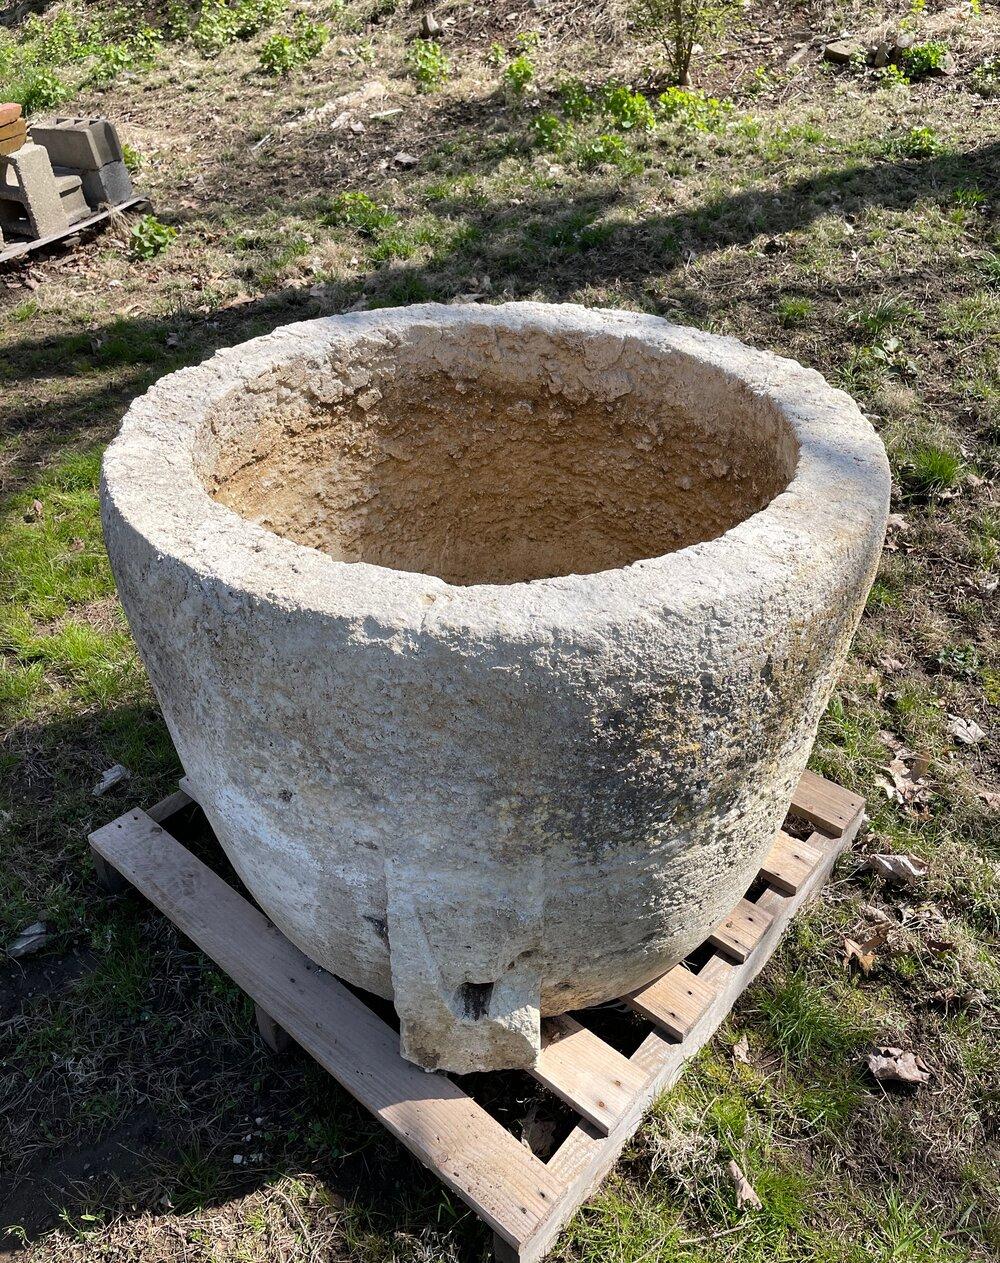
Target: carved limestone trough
{"points": [[494, 639]]}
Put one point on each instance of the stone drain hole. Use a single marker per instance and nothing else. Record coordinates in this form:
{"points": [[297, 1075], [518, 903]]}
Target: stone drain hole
{"points": [[474, 999]]}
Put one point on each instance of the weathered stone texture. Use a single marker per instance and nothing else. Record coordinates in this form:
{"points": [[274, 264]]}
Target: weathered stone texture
{"points": [[494, 639]]}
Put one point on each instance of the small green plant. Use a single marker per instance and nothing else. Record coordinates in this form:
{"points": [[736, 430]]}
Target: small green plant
{"points": [[360, 212], [527, 40], [518, 73], [681, 24], [575, 100], [891, 76], [42, 90], [281, 53], [551, 132], [985, 78], [927, 470], [879, 317], [131, 157], [496, 55], [628, 110], [150, 237], [277, 55], [427, 63], [793, 310], [918, 142], [921, 60], [605, 150], [694, 110]]}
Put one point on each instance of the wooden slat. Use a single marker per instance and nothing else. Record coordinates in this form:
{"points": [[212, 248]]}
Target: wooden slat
{"points": [[742, 930], [170, 806], [789, 862], [585, 1156], [674, 1001], [19, 248], [505, 1184], [585, 1072], [826, 805]]}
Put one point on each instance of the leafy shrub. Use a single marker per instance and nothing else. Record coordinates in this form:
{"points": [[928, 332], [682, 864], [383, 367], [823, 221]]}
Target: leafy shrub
{"points": [[277, 56], [551, 132], [281, 53], [985, 79], [359, 211], [150, 237], [42, 90], [628, 110], [575, 100], [693, 110], [518, 73], [920, 60], [680, 24], [427, 63]]}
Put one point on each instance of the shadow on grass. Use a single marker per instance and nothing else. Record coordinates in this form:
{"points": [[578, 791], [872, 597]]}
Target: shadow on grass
{"points": [[542, 247]]}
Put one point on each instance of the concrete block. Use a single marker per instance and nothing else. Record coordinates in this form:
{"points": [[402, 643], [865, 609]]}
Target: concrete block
{"points": [[85, 144], [35, 189], [107, 186]]}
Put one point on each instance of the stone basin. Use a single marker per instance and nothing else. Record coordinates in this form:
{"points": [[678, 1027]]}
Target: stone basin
{"points": [[494, 640]]}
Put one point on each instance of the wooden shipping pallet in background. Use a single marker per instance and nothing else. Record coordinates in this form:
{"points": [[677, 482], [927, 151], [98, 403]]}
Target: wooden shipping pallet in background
{"points": [[11, 250], [525, 1201]]}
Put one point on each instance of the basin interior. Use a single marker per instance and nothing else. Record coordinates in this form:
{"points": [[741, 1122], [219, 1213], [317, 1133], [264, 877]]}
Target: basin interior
{"points": [[500, 458]]}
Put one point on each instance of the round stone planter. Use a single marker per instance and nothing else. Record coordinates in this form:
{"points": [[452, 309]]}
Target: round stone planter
{"points": [[494, 639]]}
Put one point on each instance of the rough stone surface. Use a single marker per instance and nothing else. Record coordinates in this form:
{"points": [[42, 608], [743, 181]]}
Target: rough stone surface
{"points": [[494, 639]]}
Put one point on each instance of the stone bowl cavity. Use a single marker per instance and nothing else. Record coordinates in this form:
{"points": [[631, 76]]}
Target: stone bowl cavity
{"points": [[494, 640]]}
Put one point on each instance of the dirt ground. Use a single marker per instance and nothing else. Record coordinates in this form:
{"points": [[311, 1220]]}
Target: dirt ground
{"points": [[831, 213]]}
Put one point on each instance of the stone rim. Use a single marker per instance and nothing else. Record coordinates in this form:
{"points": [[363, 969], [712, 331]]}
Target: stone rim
{"points": [[836, 497]]}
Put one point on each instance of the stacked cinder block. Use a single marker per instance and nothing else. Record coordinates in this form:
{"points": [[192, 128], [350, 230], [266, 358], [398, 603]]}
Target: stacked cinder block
{"points": [[34, 201], [90, 149]]}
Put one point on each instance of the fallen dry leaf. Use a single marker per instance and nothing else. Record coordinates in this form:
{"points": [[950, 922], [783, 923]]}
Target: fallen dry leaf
{"points": [[537, 1134], [741, 1050], [907, 785], [745, 1194], [893, 1065], [991, 799], [904, 868], [855, 957], [967, 731]]}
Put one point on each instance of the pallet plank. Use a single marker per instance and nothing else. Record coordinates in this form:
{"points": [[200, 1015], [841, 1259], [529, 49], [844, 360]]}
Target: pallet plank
{"points": [[789, 862], [585, 1072], [502, 1181], [825, 805], [585, 1156], [742, 930], [18, 249], [674, 1001]]}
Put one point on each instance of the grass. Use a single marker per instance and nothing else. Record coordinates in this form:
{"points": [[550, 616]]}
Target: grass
{"points": [[842, 221]]}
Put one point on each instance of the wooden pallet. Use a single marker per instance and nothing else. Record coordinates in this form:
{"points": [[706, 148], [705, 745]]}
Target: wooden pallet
{"points": [[18, 249], [524, 1200]]}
